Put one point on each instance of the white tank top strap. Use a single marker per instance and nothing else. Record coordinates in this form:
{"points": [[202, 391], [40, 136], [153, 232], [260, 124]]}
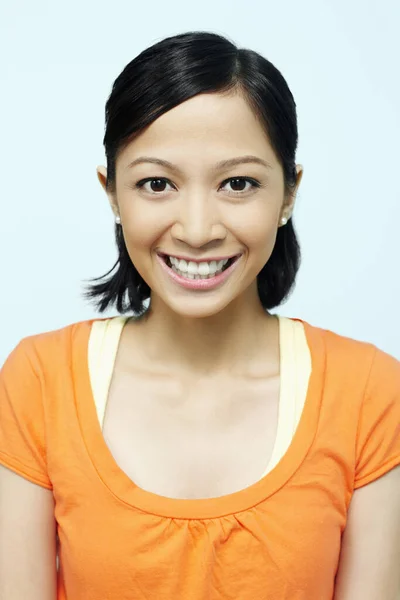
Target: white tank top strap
{"points": [[103, 346], [295, 367]]}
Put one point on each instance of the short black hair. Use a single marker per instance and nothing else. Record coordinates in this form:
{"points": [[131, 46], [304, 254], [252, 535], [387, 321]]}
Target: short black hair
{"points": [[163, 76]]}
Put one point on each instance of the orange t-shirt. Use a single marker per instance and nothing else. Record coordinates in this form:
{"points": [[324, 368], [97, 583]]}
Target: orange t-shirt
{"points": [[278, 539]]}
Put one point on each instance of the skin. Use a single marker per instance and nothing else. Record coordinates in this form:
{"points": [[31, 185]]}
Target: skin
{"points": [[197, 214]]}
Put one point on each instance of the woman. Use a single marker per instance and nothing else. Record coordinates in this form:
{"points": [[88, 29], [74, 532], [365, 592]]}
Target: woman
{"points": [[197, 446]]}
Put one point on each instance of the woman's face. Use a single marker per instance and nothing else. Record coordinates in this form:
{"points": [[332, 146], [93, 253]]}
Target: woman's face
{"points": [[197, 210]]}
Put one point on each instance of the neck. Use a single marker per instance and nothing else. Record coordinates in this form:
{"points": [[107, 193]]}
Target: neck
{"points": [[228, 342]]}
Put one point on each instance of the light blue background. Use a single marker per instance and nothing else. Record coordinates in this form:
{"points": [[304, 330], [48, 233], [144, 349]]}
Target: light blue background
{"points": [[340, 58]]}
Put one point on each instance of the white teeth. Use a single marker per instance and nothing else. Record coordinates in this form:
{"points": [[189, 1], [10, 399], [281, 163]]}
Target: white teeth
{"points": [[204, 268], [193, 270], [212, 267]]}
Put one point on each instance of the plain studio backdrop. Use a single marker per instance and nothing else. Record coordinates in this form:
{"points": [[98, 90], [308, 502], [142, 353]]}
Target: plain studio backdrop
{"points": [[340, 59]]}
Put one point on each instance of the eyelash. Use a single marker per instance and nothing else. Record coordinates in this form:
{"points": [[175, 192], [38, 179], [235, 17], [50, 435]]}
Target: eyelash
{"points": [[255, 184]]}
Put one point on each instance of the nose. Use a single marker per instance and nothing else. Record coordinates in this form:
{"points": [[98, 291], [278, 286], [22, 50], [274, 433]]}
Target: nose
{"points": [[198, 223]]}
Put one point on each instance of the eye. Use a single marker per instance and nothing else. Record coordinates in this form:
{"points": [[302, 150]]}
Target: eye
{"points": [[238, 183], [157, 184]]}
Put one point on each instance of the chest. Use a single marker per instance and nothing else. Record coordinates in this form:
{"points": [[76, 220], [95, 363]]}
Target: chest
{"points": [[197, 438]]}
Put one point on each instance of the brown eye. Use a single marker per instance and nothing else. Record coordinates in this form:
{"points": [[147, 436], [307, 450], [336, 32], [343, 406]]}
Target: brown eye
{"points": [[157, 184], [238, 185]]}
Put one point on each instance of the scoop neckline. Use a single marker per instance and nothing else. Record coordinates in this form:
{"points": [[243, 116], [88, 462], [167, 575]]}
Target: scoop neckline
{"points": [[125, 489]]}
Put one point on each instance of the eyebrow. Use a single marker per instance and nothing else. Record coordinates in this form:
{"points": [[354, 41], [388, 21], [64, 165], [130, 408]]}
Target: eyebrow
{"points": [[223, 164]]}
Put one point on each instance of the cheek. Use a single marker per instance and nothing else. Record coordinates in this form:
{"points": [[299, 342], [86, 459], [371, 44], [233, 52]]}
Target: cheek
{"points": [[257, 230], [143, 226]]}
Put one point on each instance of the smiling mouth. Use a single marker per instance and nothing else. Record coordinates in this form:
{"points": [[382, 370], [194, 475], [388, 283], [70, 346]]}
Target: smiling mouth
{"points": [[198, 270]]}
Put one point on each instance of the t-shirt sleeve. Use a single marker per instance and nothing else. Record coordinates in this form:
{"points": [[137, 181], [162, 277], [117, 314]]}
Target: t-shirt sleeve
{"points": [[378, 439], [22, 423]]}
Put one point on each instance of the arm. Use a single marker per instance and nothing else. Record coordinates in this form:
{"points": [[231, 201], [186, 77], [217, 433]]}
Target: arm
{"points": [[369, 566], [27, 539]]}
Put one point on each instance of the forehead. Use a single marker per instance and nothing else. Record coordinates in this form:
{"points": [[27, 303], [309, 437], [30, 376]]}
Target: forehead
{"points": [[215, 124]]}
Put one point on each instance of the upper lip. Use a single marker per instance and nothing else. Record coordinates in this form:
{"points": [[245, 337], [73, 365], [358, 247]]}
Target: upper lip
{"points": [[200, 260]]}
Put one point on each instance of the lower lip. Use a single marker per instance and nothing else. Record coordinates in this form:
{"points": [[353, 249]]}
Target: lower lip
{"points": [[198, 284]]}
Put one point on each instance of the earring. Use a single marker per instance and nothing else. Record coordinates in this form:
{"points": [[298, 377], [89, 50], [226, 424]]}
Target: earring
{"points": [[284, 221], [118, 220]]}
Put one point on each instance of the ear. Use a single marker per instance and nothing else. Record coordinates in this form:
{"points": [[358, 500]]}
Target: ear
{"points": [[288, 207], [102, 177], [300, 172]]}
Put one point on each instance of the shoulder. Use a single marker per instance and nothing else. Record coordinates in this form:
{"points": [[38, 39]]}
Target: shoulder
{"points": [[354, 365], [341, 352], [338, 341], [45, 349], [346, 348], [54, 340]]}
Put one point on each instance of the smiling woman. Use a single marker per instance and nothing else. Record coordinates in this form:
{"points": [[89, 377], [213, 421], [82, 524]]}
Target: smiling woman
{"points": [[203, 111], [196, 446]]}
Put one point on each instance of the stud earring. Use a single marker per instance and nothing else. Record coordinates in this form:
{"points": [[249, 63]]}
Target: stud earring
{"points": [[118, 220], [284, 221]]}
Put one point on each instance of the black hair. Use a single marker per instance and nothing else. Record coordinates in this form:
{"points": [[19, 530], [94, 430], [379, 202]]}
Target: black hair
{"points": [[163, 76]]}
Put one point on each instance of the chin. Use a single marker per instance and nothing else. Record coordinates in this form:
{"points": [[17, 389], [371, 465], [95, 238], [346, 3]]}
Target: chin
{"points": [[197, 308]]}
